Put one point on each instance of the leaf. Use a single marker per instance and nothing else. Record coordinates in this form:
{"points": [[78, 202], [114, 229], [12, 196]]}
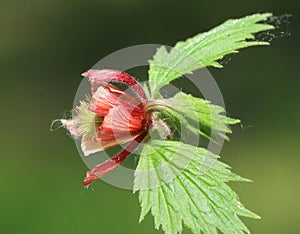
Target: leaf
{"points": [[182, 184], [210, 118], [204, 49], [197, 115]]}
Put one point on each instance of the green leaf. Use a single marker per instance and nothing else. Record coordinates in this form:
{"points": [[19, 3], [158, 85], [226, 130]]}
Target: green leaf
{"points": [[182, 184], [211, 118], [197, 115], [204, 49]]}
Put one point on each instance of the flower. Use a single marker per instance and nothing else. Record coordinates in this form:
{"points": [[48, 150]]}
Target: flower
{"points": [[109, 118]]}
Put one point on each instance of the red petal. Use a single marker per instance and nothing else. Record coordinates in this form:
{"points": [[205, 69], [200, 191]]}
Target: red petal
{"points": [[126, 119], [110, 164], [97, 77], [121, 125], [109, 96]]}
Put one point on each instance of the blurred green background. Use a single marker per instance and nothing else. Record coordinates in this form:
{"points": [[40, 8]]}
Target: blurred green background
{"points": [[44, 47]]}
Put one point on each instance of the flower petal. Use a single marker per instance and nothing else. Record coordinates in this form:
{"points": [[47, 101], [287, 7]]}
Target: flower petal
{"points": [[112, 163], [97, 77], [109, 96], [121, 125], [90, 144], [122, 119]]}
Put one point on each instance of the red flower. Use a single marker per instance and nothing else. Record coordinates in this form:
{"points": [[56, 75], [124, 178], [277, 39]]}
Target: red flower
{"points": [[111, 117]]}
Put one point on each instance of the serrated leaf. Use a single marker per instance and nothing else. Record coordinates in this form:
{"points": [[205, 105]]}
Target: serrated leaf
{"points": [[180, 183], [204, 49], [210, 117], [197, 115]]}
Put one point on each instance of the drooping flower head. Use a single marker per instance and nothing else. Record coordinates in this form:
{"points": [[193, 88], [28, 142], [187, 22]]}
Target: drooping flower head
{"points": [[109, 118]]}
